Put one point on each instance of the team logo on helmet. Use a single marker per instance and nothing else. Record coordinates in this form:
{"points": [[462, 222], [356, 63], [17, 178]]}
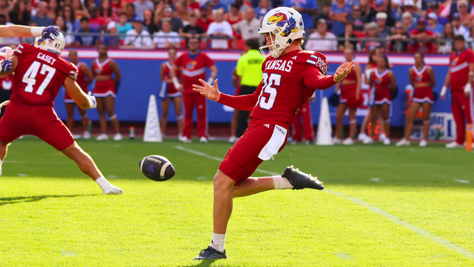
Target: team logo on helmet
{"points": [[278, 18]]}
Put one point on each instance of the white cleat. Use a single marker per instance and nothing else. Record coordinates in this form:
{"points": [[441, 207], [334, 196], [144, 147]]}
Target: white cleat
{"points": [[362, 136], [184, 139], [76, 136], [203, 139], [348, 142], [368, 140], [386, 141], [336, 141], [454, 145], [102, 137], [233, 139], [86, 135], [423, 143], [118, 137], [112, 191], [382, 137], [403, 142]]}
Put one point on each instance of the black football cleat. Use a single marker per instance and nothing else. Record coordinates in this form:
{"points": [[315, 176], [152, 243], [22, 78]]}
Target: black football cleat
{"points": [[210, 253], [301, 180]]}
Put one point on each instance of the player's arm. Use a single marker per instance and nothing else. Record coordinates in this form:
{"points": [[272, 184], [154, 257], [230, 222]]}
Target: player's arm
{"points": [[447, 80], [8, 66], [20, 31], [313, 78], [432, 77], [82, 100], [391, 78], [116, 71], [410, 75], [88, 73]]}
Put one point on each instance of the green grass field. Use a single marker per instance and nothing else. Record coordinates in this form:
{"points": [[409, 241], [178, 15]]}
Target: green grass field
{"points": [[382, 206]]}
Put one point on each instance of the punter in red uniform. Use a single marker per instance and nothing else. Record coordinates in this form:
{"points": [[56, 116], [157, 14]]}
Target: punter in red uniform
{"points": [[107, 75], [83, 73], [459, 79], [168, 93], [39, 74], [350, 97], [382, 81], [193, 67], [422, 78], [290, 77]]}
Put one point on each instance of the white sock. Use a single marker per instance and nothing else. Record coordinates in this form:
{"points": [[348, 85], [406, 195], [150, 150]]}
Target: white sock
{"points": [[103, 183], [218, 242], [281, 183]]}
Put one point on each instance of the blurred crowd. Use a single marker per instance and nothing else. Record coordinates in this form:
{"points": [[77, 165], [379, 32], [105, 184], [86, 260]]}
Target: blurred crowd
{"points": [[393, 25]]}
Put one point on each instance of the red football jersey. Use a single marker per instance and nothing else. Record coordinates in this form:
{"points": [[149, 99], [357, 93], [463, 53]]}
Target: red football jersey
{"points": [[460, 68], [39, 75], [380, 81], [420, 76], [283, 89], [194, 68], [102, 68]]}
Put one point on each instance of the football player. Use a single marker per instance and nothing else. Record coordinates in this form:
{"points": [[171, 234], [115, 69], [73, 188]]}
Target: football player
{"points": [[39, 74], [290, 77]]}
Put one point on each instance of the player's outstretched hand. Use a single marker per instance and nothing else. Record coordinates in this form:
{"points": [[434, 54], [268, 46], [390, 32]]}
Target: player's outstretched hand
{"points": [[343, 71], [50, 32], [210, 92]]}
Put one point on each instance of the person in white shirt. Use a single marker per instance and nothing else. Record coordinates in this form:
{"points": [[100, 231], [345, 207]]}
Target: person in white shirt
{"points": [[220, 28], [458, 28], [328, 44], [138, 37], [248, 27], [166, 38], [141, 6]]}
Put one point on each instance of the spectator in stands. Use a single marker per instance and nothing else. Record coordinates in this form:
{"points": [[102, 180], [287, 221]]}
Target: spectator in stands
{"points": [[141, 6], [395, 7], [123, 26], [68, 33], [220, 29], [366, 9], [182, 12], [326, 41], [131, 14], [458, 28], [96, 22], [453, 8], [263, 7], [149, 22], [307, 9], [106, 12], [435, 8], [234, 16], [79, 9], [176, 23], [86, 40], [409, 6], [193, 6], [348, 33], [204, 20], [340, 12], [372, 33], [159, 11], [137, 37], [466, 18], [19, 15], [8, 40], [433, 25], [446, 40], [112, 41], [166, 38], [407, 21], [383, 30], [192, 30], [357, 19], [216, 5], [248, 27], [52, 9], [423, 39], [380, 6], [324, 15], [41, 19], [71, 22], [4, 8], [117, 6], [399, 40]]}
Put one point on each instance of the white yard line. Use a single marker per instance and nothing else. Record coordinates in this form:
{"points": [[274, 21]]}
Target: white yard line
{"points": [[445, 243]]}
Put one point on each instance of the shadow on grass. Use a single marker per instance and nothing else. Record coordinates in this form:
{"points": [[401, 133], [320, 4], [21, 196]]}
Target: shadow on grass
{"points": [[16, 200], [206, 263]]}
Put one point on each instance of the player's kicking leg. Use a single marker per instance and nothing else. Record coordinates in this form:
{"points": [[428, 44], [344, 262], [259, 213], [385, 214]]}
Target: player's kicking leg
{"points": [[88, 167]]}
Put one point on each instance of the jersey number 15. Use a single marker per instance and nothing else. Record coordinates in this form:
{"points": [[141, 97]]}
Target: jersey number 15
{"points": [[30, 77], [267, 96]]}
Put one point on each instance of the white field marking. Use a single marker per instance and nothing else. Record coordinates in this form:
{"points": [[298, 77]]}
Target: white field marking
{"points": [[201, 178], [376, 180], [112, 176], [462, 181], [10, 161], [445, 243], [22, 175]]}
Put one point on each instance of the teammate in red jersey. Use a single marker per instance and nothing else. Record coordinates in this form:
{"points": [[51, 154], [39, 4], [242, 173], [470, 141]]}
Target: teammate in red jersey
{"points": [[193, 67], [82, 73], [290, 77], [383, 81], [107, 75], [459, 79], [39, 74], [168, 93], [422, 78], [351, 98]]}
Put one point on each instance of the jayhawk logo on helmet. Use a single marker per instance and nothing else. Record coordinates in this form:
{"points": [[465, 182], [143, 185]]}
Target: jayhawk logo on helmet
{"points": [[278, 18]]}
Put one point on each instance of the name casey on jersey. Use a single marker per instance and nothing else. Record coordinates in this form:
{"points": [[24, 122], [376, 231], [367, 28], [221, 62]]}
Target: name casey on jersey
{"points": [[46, 58]]}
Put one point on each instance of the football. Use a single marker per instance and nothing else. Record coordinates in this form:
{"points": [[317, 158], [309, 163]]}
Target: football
{"points": [[157, 168]]}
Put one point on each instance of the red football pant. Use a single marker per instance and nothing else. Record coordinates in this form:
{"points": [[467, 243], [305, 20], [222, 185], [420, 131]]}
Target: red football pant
{"points": [[200, 102], [462, 112], [305, 115]]}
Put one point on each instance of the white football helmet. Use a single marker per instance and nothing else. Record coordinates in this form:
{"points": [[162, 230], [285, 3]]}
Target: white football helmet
{"points": [[55, 46], [284, 25]]}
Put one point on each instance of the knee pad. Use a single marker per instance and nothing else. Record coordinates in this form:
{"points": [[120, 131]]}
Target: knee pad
{"points": [[113, 117]]}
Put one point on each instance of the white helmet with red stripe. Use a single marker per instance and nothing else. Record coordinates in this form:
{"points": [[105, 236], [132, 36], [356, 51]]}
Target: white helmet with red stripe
{"points": [[284, 26]]}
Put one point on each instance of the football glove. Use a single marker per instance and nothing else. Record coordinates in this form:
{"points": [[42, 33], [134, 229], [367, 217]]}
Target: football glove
{"points": [[50, 32], [6, 66]]}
